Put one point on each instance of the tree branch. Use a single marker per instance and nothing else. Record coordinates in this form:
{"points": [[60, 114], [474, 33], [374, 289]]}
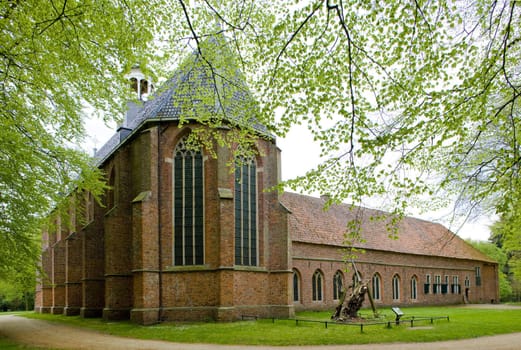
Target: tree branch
{"points": [[350, 65], [506, 45], [292, 37]]}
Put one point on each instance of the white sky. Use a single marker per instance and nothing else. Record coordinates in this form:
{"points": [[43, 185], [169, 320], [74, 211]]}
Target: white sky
{"points": [[299, 154]]}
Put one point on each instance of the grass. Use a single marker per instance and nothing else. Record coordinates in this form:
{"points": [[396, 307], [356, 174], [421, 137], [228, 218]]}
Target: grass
{"points": [[6, 344], [464, 323]]}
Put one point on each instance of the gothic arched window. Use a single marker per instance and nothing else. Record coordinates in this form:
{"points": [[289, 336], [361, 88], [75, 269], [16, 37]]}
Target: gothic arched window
{"points": [[188, 205], [414, 287], [376, 287], [316, 282], [396, 287], [337, 285], [246, 212], [296, 286]]}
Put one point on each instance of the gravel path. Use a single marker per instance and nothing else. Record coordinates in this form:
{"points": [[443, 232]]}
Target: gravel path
{"points": [[59, 336]]}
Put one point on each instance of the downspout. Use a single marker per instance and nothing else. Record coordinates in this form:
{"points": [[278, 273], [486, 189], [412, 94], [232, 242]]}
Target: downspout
{"points": [[160, 249]]}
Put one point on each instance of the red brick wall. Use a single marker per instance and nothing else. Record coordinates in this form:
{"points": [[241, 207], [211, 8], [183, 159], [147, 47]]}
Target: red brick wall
{"points": [[93, 263], [118, 240], [307, 258], [73, 275], [58, 277], [126, 250], [144, 211], [489, 289], [126, 268], [43, 302], [217, 290]]}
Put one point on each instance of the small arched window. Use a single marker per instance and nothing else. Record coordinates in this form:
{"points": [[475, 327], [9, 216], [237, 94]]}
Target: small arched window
{"points": [[376, 284], [296, 286], [316, 282], [414, 288], [396, 287], [338, 285]]}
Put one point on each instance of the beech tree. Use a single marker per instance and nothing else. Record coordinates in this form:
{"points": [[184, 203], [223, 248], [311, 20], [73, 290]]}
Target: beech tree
{"points": [[506, 235], [412, 101], [56, 58], [415, 102], [17, 285]]}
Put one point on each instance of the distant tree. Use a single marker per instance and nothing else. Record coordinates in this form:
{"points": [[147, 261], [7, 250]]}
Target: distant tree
{"points": [[56, 58], [17, 285], [495, 253], [506, 234]]}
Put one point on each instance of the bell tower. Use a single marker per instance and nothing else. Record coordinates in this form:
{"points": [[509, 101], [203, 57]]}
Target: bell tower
{"points": [[139, 83], [143, 88]]}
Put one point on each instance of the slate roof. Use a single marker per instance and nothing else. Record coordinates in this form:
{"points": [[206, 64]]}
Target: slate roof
{"points": [[310, 223], [194, 92]]}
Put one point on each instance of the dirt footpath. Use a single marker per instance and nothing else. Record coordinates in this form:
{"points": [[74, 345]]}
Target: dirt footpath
{"points": [[58, 336]]}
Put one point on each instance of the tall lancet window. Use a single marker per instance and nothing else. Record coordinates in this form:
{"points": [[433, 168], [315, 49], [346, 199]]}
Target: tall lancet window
{"points": [[188, 198], [246, 212]]}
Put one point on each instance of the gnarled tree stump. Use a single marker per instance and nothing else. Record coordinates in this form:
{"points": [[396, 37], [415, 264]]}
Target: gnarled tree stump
{"points": [[349, 305]]}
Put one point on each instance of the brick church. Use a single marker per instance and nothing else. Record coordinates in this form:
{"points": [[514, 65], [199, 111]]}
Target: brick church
{"points": [[182, 236]]}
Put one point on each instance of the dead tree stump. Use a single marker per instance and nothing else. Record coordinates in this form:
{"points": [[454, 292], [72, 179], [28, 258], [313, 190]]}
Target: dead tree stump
{"points": [[349, 306]]}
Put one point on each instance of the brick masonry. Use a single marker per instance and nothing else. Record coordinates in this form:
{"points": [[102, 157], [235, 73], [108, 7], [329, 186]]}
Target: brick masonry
{"points": [[73, 275], [309, 258], [119, 263]]}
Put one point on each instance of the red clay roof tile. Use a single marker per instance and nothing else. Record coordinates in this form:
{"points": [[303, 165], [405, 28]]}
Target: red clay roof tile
{"points": [[310, 223]]}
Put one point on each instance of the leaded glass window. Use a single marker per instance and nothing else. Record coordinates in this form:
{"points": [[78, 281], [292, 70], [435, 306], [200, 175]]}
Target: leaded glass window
{"points": [[246, 212], [316, 282], [337, 285], [188, 198], [455, 285], [437, 284], [296, 286], [414, 288], [396, 287], [376, 287]]}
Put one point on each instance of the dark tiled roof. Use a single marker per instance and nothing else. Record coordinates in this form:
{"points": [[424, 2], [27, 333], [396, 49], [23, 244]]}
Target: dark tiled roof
{"points": [[197, 91], [310, 223]]}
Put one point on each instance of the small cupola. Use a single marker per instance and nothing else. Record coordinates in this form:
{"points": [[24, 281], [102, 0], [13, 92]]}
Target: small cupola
{"points": [[139, 83], [142, 87]]}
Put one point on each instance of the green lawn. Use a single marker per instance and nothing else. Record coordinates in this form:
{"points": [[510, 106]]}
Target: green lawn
{"points": [[464, 323], [9, 345]]}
